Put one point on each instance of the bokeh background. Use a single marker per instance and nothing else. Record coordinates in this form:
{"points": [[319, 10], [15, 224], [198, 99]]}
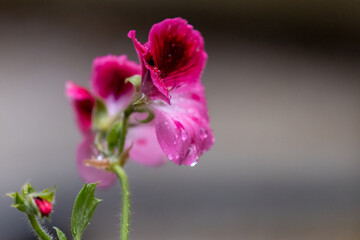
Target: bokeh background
{"points": [[283, 89]]}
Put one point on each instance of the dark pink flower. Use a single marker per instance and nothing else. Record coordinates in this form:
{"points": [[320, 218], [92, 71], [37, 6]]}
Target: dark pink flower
{"points": [[83, 103], [173, 56], [108, 81], [45, 207]]}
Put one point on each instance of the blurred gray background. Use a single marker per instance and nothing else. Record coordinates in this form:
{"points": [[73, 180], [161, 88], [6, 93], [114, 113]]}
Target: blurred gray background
{"points": [[283, 89]]}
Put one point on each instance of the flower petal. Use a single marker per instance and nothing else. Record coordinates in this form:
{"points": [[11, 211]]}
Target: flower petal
{"points": [[147, 85], [83, 103], [91, 174], [176, 54], [183, 129], [145, 149], [108, 80]]}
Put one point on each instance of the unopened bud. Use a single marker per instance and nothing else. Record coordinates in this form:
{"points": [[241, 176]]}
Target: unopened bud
{"points": [[44, 206]]}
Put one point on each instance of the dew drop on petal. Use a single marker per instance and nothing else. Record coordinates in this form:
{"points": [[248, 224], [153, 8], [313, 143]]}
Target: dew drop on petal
{"points": [[177, 155], [170, 156], [203, 133], [196, 161], [184, 135]]}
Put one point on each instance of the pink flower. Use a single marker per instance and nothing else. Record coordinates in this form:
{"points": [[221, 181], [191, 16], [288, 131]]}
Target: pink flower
{"points": [[172, 62], [83, 103], [108, 83]]}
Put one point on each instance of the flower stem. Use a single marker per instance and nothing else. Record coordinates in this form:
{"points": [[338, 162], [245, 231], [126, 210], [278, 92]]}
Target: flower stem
{"points": [[125, 211], [127, 114], [39, 231]]}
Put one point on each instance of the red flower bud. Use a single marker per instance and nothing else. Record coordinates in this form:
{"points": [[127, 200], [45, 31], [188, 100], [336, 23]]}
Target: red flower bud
{"points": [[44, 206]]}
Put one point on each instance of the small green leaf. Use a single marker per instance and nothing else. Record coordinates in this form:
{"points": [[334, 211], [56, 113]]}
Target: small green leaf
{"points": [[27, 188], [113, 137], [84, 208], [12, 195], [135, 80], [60, 234], [100, 118]]}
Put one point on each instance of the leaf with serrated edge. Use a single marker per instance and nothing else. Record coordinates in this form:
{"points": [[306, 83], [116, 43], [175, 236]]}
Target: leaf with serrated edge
{"points": [[84, 208]]}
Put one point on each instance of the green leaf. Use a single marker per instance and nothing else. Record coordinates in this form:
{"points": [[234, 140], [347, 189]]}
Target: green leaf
{"points": [[100, 118], [84, 208], [27, 188], [47, 194], [114, 135], [135, 80], [60, 234]]}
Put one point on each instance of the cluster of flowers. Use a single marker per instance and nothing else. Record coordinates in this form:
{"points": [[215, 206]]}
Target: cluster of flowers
{"points": [[165, 91]]}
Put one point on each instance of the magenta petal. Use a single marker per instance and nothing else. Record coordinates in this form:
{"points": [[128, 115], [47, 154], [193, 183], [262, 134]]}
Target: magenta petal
{"points": [[176, 54], [91, 174], [83, 104], [183, 129], [145, 149], [108, 80]]}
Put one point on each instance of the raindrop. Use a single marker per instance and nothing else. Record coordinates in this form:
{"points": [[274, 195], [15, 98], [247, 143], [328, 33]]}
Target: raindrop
{"points": [[196, 161], [184, 135], [170, 156], [203, 133], [177, 155]]}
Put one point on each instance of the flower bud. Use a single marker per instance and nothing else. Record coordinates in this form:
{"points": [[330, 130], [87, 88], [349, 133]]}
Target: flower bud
{"points": [[45, 207]]}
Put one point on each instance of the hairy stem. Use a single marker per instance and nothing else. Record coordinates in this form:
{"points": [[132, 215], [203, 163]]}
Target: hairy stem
{"points": [[36, 226], [125, 211]]}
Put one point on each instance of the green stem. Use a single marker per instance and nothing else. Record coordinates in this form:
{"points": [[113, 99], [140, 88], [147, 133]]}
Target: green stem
{"points": [[40, 232], [127, 113], [125, 211]]}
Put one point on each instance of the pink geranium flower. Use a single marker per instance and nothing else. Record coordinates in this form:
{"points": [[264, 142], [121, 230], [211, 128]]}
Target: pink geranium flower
{"points": [[108, 83], [172, 62]]}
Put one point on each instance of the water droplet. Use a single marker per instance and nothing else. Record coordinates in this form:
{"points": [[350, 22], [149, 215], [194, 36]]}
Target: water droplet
{"points": [[100, 157], [176, 135], [184, 135], [203, 133], [174, 142], [170, 156], [177, 155], [196, 161], [197, 49]]}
